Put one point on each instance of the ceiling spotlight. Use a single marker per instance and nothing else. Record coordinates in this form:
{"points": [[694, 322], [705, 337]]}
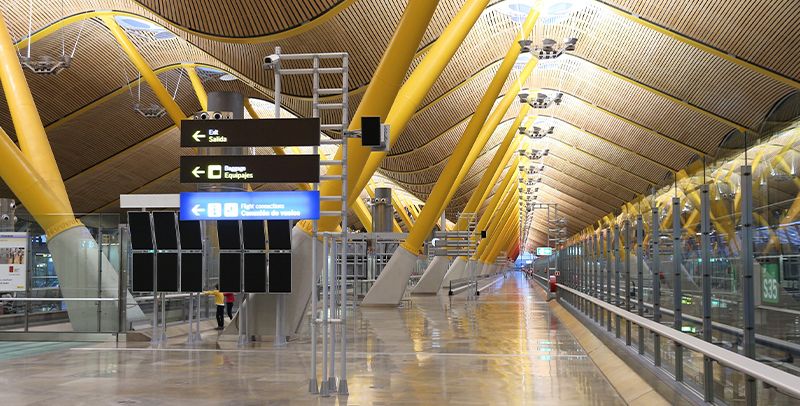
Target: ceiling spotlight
{"points": [[523, 96], [151, 111], [525, 45], [46, 64], [550, 49]]}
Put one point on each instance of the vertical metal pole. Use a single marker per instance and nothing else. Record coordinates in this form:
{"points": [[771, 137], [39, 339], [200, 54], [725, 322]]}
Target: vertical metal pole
{"points": [[705, 267], [748, 291], [640, 277], [627, 258], [312, 381], [656, 267], [343, 316], [280, 310], [677, 294], [323, 390], [190, 337], [596, 274], [332, 299], [617, 270], [608, 276], [99, 304]]}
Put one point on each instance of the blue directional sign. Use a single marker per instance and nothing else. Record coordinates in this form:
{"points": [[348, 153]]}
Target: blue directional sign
{"points": [[295, 205]]}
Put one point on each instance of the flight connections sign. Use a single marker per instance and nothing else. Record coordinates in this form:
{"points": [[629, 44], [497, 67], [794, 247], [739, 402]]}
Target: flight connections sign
{"points": [[294, 205]]}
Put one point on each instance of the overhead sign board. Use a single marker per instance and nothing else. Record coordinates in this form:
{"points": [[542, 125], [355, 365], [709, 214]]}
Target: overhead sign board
{"points": [[250, 169], [544, 251], [13, 261], [294, 205], [251, 133]]}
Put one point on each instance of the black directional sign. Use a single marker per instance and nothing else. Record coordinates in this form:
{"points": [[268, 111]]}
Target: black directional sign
{"points": [[250, 133], [250, 169]]}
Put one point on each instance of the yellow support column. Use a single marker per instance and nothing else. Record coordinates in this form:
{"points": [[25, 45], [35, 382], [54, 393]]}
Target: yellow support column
{"points": [[424, 76], [32, 190], [199, 90], [398, 205], [378, 100], [173, 110], [30, 132], [501, 157], [497, 224], [362, 212], [504, 189], [459, 163]]}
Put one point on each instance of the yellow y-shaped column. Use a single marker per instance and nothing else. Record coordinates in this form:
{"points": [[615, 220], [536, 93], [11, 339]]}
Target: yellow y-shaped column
{"points": [[382, 95], [32, 174], [173, 110], [431, 280], [389, 287]]}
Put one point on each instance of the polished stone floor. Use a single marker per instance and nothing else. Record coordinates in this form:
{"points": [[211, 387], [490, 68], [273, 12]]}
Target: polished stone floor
{"points": [[506, 348]]}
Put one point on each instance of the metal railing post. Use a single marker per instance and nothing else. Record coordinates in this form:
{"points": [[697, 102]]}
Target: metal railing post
{"points": [[656, 275], [748, 291], [677, 294], [705, 267], [640, 276]]}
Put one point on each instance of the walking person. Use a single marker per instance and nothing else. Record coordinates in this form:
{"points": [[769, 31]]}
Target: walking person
{"points": [[229, 299], [219, 300]]}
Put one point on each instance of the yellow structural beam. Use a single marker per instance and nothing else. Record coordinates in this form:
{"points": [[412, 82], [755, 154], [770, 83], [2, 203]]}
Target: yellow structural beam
{"points": [[398, 205], [32, 138], [703, 47], [173, 110], [503, 230], [501, 157], [507, 210], [362, 212], [32, 190], [419, 83], [506, 187], [379, 98], [474, 139], [197, 85]]}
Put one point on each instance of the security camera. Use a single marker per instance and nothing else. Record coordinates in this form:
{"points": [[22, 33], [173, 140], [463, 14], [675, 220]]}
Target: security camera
{"points": [[269, 61], [5, 217]]}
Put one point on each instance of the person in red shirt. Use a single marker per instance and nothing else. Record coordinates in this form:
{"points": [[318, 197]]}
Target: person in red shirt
{"points": [[229, 299]]}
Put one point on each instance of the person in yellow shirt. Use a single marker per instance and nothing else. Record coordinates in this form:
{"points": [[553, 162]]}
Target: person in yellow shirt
{"points": [[219, 300]]}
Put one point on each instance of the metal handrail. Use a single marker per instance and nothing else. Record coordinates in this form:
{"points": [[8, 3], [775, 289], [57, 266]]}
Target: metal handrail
{"points": [[784, 381]]}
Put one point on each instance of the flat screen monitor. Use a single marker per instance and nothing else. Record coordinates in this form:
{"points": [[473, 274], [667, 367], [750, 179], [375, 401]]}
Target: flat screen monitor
{"points": [[191, 272], [255, 273], [253, 235], [230, 272], [371, 131], [191, 238], [280, 273], [280, 234], [228, 233], [142, 272], [141, 232], [165, 230], [167, 272]]}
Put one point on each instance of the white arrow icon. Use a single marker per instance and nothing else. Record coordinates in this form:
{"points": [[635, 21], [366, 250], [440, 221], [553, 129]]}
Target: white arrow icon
{"points": [[196, 210], [197, 172], [198, 136]]}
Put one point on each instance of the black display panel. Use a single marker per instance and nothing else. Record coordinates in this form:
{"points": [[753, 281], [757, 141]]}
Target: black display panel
{"points": [[230, 277], [141, 233], [191, 238], [280, 234], [191, 272], [228, 234], [280, 273], [253, 236], [371, 131], [167, 272], [265, 132], [142, 272], [166, 233], [294, 168], [255, 273]]}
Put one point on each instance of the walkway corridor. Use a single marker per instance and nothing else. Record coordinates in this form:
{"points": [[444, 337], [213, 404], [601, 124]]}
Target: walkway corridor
{"points": [[506, 348]]}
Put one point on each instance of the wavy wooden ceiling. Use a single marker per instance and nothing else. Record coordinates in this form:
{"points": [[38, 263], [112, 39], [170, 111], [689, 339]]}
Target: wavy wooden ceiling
{"points": [[638, 104]]}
